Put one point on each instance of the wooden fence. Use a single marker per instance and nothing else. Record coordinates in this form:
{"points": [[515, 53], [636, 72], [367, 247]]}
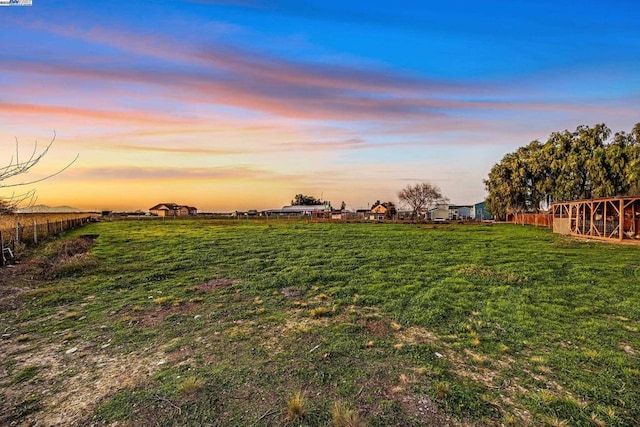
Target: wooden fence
{"points": [[16, 230], [537, 219]]}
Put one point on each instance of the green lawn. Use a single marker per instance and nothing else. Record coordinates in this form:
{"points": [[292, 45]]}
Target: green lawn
{"points": [[222, 323]]}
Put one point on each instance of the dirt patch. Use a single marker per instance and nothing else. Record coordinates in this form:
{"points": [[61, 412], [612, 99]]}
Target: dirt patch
{"points": [[416, 335], [157, 315], [627, 348], [291, 292], [15, 280], [428, 412], [378, 328], [67, 386], [213, 284]]}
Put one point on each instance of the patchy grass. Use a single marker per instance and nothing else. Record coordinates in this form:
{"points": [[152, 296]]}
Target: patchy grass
{"points": [[202, 322]]}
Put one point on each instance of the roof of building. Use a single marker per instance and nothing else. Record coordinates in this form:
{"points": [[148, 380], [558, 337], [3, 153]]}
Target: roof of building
{"points": [[304, 208], [164, 206], [170, 206]]}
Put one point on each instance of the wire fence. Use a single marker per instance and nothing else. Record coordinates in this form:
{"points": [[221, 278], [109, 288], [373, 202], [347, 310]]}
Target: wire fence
{"points": [[16, 231]]}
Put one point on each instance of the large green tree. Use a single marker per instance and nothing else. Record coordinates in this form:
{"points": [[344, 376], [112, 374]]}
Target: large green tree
{"points": [[575, 165]]}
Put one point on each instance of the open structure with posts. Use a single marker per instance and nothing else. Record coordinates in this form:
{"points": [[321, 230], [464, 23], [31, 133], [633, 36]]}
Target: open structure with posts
{"points": [[607, 218]]}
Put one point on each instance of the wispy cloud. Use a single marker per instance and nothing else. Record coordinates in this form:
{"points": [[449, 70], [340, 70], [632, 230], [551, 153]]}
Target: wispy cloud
{"points": [[141, 174], [10, 108], [177, 150]]}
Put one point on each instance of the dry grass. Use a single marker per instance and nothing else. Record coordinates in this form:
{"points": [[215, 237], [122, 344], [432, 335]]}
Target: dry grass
{"points": [[318, 312], [190, 386], [342, 416], [296, 407]]}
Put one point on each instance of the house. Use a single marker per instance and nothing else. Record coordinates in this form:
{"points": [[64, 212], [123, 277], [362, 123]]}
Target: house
{"points": [[380, 211], [439, 213], [480, 212], [172, 209]]}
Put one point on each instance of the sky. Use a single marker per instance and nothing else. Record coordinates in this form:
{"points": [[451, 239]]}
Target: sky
{"points": [[241, 104]]}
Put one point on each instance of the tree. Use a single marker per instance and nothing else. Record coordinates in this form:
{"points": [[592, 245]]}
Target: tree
{"points": [[302, 199], [343, 206], [17, 167], [391, 210], [570, 166], [420, 195]]}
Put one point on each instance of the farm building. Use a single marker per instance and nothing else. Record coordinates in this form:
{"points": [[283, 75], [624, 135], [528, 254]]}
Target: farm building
{"points": [[172, 209], [439, 213], [609, 218], [460, 211], [479, 212], [363, 213], [298, 210]]}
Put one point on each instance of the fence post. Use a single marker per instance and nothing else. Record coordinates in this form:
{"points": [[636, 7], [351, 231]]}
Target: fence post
{"points": [[1, 250], [17, 232], [35, 232]]}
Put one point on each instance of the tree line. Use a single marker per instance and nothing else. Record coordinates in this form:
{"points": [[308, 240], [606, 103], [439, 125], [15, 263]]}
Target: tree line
{"points": [[583, 164]]}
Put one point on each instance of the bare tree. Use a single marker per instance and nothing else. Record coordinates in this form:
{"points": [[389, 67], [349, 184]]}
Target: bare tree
{"points": [[17, 167], [419, 196]]}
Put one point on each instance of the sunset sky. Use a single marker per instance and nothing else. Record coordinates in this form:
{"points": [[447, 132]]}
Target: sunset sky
{"points": [[242, 104]]}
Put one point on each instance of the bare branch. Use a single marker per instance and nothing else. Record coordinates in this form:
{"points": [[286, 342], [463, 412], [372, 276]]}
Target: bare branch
{"points": [[17, 167], [420, 196]]}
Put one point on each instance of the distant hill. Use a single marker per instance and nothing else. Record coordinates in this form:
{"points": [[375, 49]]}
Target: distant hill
{"points": [[48, 209]]}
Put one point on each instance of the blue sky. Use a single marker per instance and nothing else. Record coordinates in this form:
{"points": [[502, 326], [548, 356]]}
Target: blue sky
{"points": [[242, 104]]}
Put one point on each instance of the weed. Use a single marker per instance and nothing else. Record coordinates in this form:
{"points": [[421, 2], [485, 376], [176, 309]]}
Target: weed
{"points": [[190, 386], [592, 354], [396, 326], [26, 374], [70, 315], [478, 359], [555, 422], [597, 421], [23, 338], [319, 312], [296, 407], [168, 300], [342, 416], [442, 390]]}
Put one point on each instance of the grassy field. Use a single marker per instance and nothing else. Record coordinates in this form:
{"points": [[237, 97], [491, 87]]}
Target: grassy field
{"points": [[267, 323]]}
